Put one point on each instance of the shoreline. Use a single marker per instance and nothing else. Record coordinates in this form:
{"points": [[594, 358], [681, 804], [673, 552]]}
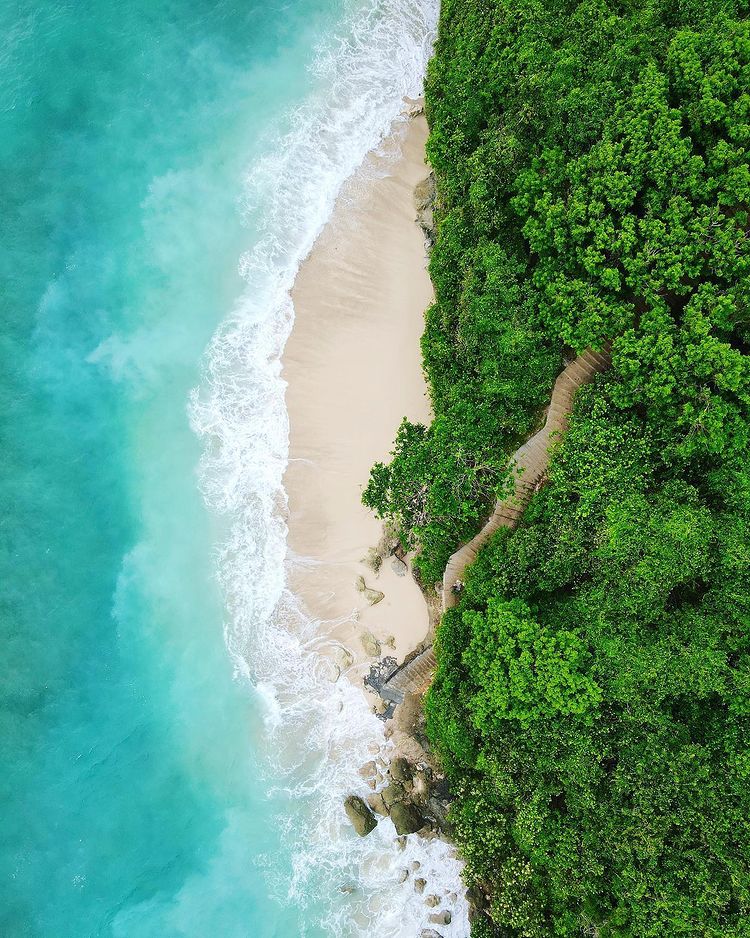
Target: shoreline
{"points": [[353, 370]]}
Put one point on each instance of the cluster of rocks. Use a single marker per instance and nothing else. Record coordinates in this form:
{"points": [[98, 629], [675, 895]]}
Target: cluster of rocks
{"points": [[404, 792], [388, 546], [439, 917], [414, 801]]}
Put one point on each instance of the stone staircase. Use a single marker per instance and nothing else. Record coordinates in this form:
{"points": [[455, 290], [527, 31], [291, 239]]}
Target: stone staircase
{"points": [[530, 461], [412, 677]]}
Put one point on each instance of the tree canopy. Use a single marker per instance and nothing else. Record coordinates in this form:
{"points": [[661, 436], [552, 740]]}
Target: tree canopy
{"points": [[592, 699]]}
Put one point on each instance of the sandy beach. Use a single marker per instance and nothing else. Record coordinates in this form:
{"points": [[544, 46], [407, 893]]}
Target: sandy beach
{"points": [[353, 370]]}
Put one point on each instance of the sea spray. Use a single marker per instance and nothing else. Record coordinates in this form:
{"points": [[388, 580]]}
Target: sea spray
{"points": [[317, 733]]}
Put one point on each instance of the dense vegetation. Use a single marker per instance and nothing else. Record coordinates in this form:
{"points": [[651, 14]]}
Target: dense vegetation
{"points": [[592, 700]]}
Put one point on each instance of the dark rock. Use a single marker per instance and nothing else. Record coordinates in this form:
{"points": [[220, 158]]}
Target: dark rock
{"points": [[419, 885], [393, 793], [438, 810], [406, 817], [362, 818], [432, 901], [441, 918], [401, 770], [476, 898], [380, 672], [441, 788]]}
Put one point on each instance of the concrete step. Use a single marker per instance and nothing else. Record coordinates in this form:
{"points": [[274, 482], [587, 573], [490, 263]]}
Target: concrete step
{"points": [[599, 362], [565, 382], [578, 370], [530, 461]]}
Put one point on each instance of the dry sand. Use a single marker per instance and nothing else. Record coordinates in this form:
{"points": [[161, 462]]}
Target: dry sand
{"points": [[353, 370]]}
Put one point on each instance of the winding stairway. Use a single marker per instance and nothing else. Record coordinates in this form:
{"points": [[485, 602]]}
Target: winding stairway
{"points": [[530, 462]]}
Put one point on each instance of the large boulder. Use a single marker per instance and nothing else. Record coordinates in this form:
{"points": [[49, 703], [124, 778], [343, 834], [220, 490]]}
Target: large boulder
{"points": [[406, 817], [362, 818], [375, 801], [393, 793], [401, 770]]}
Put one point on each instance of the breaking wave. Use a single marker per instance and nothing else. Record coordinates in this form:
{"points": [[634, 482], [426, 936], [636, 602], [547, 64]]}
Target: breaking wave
{"points": [[317, 732]]}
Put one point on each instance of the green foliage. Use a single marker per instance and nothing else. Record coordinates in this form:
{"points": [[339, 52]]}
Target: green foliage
{"points": [[629, 813], [524, 671], [592, 699], [433, 490]]}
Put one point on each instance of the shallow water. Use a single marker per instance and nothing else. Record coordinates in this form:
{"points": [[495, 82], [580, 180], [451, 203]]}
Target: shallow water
{"points": [[173, 752]]}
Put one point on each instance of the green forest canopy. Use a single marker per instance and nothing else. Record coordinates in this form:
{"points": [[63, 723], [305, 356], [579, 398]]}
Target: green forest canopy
{"points": [[592, 698]]}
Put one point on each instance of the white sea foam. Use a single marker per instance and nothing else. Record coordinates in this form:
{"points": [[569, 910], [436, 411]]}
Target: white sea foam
{"points": [[318, 732]]}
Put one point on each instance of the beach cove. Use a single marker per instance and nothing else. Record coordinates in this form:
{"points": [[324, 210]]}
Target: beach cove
{"points": [[175, 751], [353, 372]]}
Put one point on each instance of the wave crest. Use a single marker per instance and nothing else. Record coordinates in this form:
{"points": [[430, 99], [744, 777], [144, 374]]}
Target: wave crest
{"points": [[318, 733]]}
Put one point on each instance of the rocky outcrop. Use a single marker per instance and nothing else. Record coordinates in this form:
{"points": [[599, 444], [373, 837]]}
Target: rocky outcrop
{"points": [[424, 202], [406, 793], [406, 817], [362, 818]]}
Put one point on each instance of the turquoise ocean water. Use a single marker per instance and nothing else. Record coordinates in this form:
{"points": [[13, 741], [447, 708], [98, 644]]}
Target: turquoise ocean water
{"points": [[165, 167]]}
